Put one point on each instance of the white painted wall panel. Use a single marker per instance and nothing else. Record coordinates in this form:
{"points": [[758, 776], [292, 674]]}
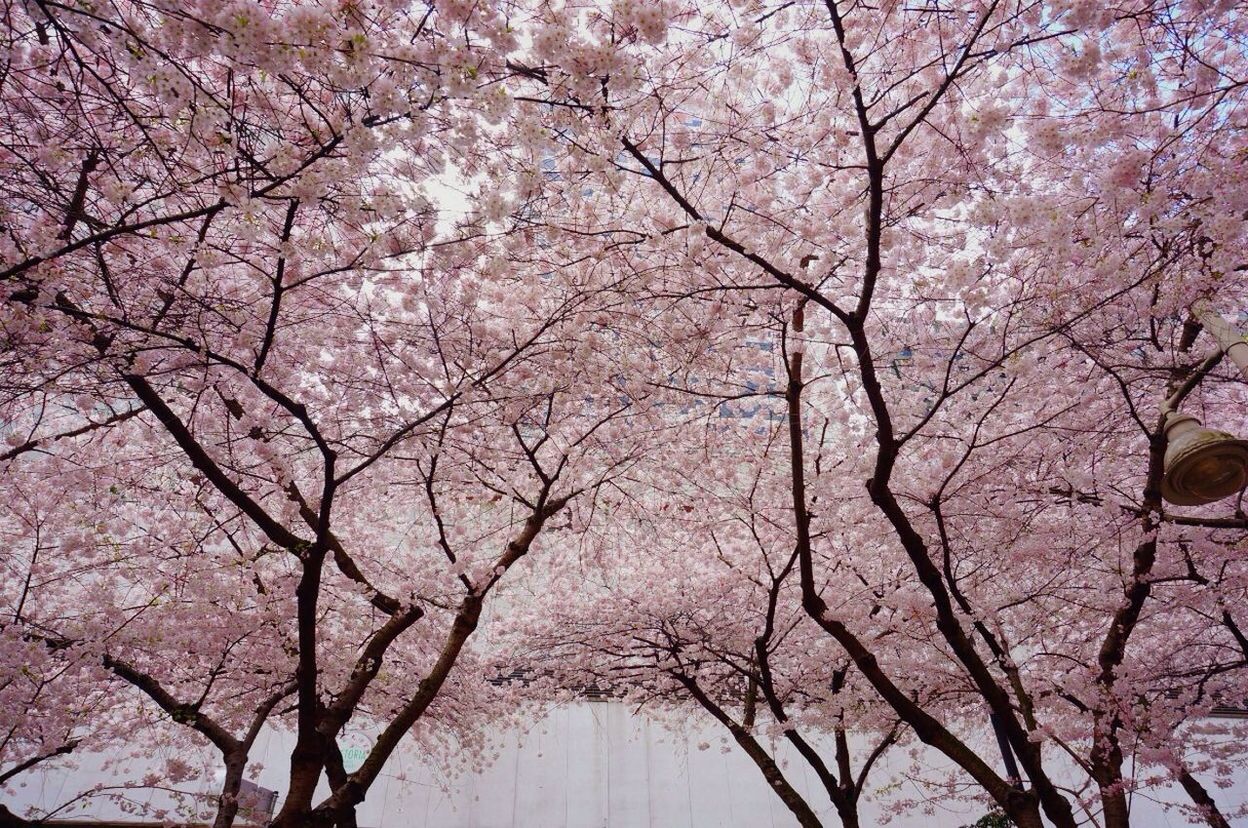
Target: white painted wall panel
{"points": [[587, 765]]}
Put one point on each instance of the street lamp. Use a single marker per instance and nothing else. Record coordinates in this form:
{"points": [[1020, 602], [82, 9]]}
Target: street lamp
{"points": [[1201, 464]]}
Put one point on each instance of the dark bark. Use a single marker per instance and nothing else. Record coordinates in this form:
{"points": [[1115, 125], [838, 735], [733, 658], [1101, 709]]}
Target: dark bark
{"points": [[227, 800], [336, 775], [1209, 811], [353, 790], [60, 750], [792, 800], [307, 758], [8, 819], [234, 750], [1021, 806]]}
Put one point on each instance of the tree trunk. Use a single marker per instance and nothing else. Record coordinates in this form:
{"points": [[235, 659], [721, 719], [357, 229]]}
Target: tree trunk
{"points": [[1107, 761], [227, 801], [308, 757], [1114, 810], [336, 773], [8, 819], [770, 770], [775, 779], [305, 772], [848, 813], [1208, 808], [1026, 817]]}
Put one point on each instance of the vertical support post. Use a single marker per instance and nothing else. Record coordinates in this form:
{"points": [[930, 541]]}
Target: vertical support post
{"points": [[1231, 341]]}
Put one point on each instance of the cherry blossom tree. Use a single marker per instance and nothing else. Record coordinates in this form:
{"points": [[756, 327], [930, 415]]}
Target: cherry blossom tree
{"points": [[320, 318], [989, 222], [107, 601], [728, 636], [242, 335]]}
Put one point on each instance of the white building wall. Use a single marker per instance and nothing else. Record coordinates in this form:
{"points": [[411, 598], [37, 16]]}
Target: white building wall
{"points": [[592, 765]]}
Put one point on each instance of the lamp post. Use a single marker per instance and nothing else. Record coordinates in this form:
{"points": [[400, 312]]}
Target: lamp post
{"points": [[1202, 464], [1231, 341]]}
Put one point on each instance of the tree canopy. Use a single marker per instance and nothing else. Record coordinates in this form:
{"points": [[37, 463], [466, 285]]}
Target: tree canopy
{"points": [[806, 366]]}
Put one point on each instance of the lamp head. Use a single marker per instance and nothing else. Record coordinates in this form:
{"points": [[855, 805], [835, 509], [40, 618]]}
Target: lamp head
{"points": [[1201, 465]]}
